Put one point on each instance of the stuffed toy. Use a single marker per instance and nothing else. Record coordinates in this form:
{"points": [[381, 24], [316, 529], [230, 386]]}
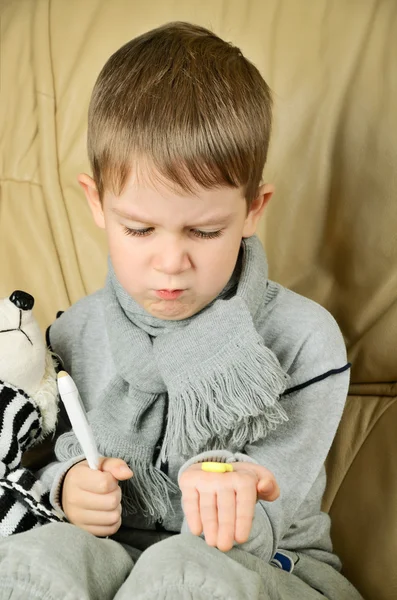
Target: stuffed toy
{"points": [[28, 413]]}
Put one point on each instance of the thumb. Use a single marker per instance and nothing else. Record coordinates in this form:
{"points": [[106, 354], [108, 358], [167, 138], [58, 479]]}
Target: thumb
{"points": [[117, 467], [267, 490]]}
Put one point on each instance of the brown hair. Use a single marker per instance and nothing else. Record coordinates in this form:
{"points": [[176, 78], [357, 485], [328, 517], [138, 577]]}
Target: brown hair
{"points": [[187, 102]]}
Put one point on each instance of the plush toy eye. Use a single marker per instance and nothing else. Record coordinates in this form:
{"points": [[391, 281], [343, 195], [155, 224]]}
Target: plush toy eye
{"points": [[22, 300]]}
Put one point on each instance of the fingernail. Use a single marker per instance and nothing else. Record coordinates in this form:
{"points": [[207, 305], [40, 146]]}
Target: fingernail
{"points": [[124, 470]]}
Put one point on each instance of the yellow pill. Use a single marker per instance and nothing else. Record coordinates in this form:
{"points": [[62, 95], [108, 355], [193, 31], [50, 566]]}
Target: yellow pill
{"points": [[216, 467]]}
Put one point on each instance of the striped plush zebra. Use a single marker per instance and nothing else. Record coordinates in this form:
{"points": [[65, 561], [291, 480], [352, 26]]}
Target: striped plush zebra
{"points": [[28, 410]]}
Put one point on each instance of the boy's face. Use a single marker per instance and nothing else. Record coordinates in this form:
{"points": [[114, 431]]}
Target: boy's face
{"points": [[174, 253]]}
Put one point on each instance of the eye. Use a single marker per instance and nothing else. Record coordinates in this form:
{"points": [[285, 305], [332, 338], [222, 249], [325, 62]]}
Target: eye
{"points": [[207, 235], [138, 232]]}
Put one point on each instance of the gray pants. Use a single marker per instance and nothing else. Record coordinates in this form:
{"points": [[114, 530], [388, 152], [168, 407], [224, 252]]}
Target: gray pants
{"points": [[63, 562]]}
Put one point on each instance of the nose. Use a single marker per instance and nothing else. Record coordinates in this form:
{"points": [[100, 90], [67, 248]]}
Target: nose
{"points": [[22, 300], [171, 258]]}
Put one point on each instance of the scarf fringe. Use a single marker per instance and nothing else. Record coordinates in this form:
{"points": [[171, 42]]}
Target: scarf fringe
{"points": [[148, 493], [223, 407]]}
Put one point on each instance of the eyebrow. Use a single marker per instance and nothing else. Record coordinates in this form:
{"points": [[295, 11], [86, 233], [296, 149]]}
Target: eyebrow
{"points": [[219, 219], [125, 215]]}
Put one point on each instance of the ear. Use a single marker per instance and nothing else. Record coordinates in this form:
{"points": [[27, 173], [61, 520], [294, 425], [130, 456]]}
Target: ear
{"points": [[257, 207], [93, 199]]}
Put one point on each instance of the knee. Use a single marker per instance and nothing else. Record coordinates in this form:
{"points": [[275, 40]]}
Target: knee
{"points": [[26, 558], [169, 570], [180, 559], [82, 562], [176, 549], [46, 543], [184, 566]]}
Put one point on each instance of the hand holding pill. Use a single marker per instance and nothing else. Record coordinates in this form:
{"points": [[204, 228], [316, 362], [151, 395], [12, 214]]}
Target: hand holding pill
{"points": [[219, 499]]}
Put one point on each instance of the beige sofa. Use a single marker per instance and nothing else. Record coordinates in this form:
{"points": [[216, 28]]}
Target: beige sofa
{"points": [[330, 231]]}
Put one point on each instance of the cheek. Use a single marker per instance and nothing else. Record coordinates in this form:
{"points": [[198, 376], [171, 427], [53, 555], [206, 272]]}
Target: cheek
{"points": [[129, 261], [120, 245], [220, 264], [119, 251]]}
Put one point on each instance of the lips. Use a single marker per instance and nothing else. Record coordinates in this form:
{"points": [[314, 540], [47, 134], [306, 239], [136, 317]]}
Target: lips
{"points": [[169, 294]]}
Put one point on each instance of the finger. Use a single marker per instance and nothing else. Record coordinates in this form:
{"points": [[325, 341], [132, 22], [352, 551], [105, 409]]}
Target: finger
{"points": [[99, 518], [101, 530], [209, 517], [97, 482], [103, 502], [246, 498], [117, 467], [91, 480], [226, 505], [191, 508], [268, 489]]}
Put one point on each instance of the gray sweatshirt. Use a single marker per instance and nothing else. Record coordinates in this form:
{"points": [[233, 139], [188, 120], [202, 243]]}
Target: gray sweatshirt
{"points": [[310, 348]]}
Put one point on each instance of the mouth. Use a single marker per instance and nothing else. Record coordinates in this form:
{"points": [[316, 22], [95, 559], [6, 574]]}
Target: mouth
{"points": [[169, 294], [20, 330]]}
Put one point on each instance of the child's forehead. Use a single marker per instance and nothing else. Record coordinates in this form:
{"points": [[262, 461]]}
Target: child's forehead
{"points": [[144, 175], [148, 182], [160, 203]]}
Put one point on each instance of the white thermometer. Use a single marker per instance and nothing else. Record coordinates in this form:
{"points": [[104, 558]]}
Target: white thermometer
{"points": [[78, 418]]}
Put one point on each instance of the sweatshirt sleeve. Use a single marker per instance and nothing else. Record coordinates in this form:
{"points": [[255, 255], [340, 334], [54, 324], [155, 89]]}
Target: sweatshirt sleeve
{"points": [[53, 474], [296, 451]]}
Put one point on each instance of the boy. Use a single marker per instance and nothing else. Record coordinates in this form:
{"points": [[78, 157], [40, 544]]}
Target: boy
{"points": [[189, 355]]}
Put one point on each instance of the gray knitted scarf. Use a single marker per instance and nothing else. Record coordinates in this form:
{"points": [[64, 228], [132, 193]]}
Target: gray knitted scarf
{"points": [[183, 387]]}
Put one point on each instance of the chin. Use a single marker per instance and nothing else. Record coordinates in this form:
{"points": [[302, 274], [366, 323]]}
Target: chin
{"points": [[171, 310]]}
